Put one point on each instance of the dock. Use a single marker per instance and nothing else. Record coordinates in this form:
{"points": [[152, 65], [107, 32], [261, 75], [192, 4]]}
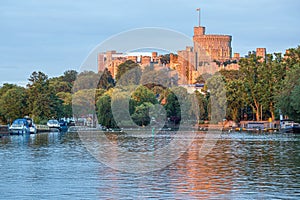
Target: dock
{"points": [[42, 128], [4, 130]]}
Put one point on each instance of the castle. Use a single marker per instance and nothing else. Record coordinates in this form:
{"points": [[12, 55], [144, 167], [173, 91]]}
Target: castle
{"points": [[209, 54]]}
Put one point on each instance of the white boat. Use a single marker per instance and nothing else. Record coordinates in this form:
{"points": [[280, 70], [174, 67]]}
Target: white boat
{"points": [[289, 126], [53, 124], [32, 127], [19, 126]]}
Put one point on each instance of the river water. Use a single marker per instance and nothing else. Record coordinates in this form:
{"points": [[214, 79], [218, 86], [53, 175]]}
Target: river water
{"points": [[240, 166]]}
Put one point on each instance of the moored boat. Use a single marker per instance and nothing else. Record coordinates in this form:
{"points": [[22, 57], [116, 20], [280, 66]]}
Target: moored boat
{"points": [[289, 126], [32, 127], [19, 126], [54, 125]]}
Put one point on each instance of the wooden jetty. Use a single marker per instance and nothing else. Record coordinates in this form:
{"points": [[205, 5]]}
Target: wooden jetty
{"points": [[4, 130]]}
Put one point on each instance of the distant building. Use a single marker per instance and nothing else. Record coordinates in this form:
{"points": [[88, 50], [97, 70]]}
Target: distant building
{"points": [[112, 59], [218, 47], [209, 54], [261, 52]]}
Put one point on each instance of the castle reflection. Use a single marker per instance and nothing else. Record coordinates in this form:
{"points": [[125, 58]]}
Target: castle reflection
{"points": [[208, 177]]}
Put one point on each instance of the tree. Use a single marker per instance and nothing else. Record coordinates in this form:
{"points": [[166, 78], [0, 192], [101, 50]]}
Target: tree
{"points": [[253, 84], [60, 86], [70, 76], [165, 59], [37, 78], [142, 95], [200, 79], [272, 74], [129, 73], [163, 78], [86, 80], [230, 75], [235, 102], [6, 87], [141, 115], [217, 98], [66, 99], [289, 93], [3, 90], [173, 108], [13, 104], [83, 102], [141, 101], [288, 99], [104, 113], [292, 57], [42, 100], [202, 103], [106, 80]]}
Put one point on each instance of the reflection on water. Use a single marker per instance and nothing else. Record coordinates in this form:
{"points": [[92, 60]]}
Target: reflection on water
{"points": [[241, 166]]}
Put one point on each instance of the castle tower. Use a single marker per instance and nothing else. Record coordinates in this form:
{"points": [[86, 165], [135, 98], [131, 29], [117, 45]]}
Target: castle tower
{"points": [[217, 47], [101, 62], [236, 56], [154, 54], [261, 52], [199, 31]]}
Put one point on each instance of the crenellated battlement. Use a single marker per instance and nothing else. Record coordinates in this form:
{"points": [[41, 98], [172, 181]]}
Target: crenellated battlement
{"points": [[218, 47]]}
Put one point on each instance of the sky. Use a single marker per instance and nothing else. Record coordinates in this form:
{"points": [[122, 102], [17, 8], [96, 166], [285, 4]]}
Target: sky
{"points": [[53, 36]]}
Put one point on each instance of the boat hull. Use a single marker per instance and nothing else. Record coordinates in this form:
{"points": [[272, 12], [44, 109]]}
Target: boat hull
{"points": [[291, 130]]}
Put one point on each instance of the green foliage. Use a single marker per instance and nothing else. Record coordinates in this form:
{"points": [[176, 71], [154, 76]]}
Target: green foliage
{"points": [[259, 87], [70, 76], [200, 79], [106, 80], [162, 78], [141, 101], [230, 75], [13, 104], [104, 113], [129, 73], [83, 102], [42, 100], [141, 115], [60, 86], [173, 108], [165, 59], [66, 99], [258, 84], [288, 98], [86, 80], [253, 90], [202, 103], [142, 95], [273, 73], [292, 57], [6, 87], [217, 101], [235, 101]]}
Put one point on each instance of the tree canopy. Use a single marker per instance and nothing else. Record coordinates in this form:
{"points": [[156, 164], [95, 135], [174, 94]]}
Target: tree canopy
{"points": [[259, 90]]}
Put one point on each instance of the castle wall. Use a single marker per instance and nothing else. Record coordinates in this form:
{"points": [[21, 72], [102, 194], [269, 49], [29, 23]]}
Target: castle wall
{"points": [[218, 47]]}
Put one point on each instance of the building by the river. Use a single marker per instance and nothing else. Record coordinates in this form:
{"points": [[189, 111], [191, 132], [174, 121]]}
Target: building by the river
{"points": [[210, 53]]}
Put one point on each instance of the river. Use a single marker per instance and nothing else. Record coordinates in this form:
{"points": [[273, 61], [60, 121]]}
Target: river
{"points": [[240, 166]]}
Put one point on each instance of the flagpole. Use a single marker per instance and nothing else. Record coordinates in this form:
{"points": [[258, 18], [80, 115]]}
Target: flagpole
{"points": [[198, 9]]}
